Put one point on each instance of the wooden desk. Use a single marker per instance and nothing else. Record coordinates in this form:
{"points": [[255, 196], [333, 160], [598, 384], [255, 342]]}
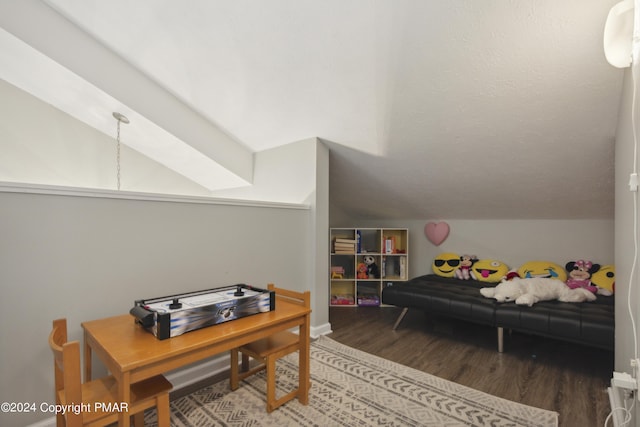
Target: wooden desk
{"points": [[132, 354]]}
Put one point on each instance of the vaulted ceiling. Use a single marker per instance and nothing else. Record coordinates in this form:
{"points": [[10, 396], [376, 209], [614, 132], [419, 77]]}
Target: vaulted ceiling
{"points": [[431, 109]]}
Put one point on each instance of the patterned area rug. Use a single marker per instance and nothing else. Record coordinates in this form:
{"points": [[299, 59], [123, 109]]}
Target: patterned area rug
{"points": [[353, 388]]}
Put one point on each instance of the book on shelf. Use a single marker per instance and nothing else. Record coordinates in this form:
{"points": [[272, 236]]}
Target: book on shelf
{"points": [[390, 245], [344, 246], [348, 251], [343, 240]]}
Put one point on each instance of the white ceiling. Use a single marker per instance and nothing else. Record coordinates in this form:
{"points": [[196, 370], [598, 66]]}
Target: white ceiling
{"points": [[431, 109]]}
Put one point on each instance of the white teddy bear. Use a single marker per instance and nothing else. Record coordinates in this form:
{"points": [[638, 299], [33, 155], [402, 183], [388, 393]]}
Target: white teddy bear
{"points": [[531, 290]]}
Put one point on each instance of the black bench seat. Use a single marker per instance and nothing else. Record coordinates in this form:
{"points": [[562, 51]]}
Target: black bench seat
{"points": [[587, 323]]}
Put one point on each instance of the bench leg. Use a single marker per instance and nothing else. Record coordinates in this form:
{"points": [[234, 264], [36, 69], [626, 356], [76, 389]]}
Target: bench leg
{"points": [[500, 340], [404, 313]]}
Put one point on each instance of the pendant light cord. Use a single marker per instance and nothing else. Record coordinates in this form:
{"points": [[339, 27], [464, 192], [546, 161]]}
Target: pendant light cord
{"points": [[120, 118], [118, 157]]}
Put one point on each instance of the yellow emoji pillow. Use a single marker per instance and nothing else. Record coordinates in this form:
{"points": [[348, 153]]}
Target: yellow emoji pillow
{"points": [[605, 278], [445, 264], [489, 270], [545, 269]]}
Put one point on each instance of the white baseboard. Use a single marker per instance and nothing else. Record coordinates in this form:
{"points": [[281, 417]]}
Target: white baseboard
{"points": [[47, 422], [316, 331], [198, 371]]}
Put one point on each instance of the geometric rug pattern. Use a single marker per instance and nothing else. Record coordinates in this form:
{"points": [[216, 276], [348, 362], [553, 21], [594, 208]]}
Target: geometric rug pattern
{"points": [[352, 388]]}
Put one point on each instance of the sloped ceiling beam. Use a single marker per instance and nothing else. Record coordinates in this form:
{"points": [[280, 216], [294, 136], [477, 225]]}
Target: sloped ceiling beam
{"points": [[225, 162]]}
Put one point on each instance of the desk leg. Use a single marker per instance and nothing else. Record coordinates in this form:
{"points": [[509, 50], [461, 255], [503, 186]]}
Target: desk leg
{"points": [[124, 391], [87, 360], [304, 374]]}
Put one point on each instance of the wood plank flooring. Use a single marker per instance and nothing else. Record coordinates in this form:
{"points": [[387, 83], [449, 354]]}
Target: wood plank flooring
{"points": [[541, 372]]}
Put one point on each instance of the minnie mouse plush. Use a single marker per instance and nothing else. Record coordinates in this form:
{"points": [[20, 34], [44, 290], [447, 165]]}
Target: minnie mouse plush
{"points": [[580, 276], [464, 270]]}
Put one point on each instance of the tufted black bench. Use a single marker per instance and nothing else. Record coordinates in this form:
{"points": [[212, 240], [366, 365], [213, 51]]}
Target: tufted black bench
{"points": [[587, 323]]}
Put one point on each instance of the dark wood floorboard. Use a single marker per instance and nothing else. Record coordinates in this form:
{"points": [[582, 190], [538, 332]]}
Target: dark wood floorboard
{"points": [[567, 378]]}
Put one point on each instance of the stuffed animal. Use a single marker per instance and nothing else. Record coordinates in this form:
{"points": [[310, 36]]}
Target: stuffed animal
{"points": [[362, 271], [511, 274], [372, 267], [463, 271], [580, 273], [532, 290]]}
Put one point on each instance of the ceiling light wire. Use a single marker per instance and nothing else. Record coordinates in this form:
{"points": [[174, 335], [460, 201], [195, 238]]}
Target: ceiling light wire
{"points": [[120, 118]]}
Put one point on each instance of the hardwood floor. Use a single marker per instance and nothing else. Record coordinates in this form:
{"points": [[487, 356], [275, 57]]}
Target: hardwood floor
{"points": [[541, 372]]}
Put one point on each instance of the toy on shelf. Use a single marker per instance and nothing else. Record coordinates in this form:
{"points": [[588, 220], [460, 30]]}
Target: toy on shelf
{"points": [[337, 272], [372, 268], [362, 271], [368, 300], [342, 300]]}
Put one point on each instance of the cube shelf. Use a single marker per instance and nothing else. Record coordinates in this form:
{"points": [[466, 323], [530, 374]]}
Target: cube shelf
{"points": [[362, 260]]}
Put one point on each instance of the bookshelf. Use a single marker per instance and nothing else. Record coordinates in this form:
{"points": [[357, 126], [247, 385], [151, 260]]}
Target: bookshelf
{"points": [[363, 261]]}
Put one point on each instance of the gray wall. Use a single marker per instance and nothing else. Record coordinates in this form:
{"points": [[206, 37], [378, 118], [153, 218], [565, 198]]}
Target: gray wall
{"points": [[513, 242], [85, 258]]}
